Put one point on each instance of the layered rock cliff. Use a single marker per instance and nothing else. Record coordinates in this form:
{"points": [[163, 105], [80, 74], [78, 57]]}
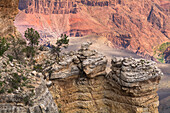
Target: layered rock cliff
{"points": [[81, 84], [8, 11], [78, 83], [135, 25]]}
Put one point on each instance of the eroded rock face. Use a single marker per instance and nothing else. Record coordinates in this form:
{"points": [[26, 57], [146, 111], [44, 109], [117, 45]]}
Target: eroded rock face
{"points": [[139, 80], [8, 11], [133, 24], [81, 84], [57, 6], [83, 63]]}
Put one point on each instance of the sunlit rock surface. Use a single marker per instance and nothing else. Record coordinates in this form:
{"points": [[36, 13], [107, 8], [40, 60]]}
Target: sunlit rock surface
{"points": [[8, 11], [81, 84]]}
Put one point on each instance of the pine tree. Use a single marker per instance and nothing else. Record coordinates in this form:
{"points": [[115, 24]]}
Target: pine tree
{"points": [[61, 42], [33, 37]]}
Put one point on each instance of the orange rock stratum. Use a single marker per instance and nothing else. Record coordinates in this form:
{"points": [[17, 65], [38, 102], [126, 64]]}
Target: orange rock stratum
{"points": [[138, 25]]}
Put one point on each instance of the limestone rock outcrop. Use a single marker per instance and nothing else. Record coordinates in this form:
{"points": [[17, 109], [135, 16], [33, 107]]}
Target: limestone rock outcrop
{"points": [[83, 63], [81, 84], [8, 11], [78, 82], [139, 80]]}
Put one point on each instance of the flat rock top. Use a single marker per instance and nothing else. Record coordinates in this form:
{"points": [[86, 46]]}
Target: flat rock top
{"points": [[135, 70]]}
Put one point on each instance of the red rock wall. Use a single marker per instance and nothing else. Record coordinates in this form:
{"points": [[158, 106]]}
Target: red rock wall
{"points": [[137, 25]]}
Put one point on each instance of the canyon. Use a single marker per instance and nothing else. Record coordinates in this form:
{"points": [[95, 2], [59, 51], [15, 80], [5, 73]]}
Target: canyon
{"points": [[80, 82], [137, 25]]}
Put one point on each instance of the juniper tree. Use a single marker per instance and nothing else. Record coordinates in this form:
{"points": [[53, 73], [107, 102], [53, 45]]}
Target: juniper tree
{"points": [[61, 42], [32, 37]]}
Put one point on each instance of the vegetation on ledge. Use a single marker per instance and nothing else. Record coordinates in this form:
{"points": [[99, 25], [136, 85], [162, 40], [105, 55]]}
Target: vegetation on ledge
{"points": [[159, 52]]}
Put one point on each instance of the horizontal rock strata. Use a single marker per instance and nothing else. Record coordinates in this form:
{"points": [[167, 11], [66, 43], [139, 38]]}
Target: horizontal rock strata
{"points": [[82, 85], [137, 25], [79, 83]]}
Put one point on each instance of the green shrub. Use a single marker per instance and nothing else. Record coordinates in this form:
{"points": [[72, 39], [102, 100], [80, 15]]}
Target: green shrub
{"points": [[24, 78], [15, 81], [30, 86], [1, 84], [29, 51], [17, 45], [3, 46], [60, 111], [10, 90], [2, 91], [38, 67], [159, 52], [10, 58], [161, 59], [27, 100], [164, 46], [17, 77], [61, 42]]}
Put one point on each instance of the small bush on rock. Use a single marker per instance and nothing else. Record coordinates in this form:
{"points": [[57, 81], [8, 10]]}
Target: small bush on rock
{"points": [[62, 42], [3, 46], [17, 45]]}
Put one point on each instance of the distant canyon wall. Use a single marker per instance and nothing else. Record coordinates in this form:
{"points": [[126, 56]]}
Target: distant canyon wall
{"points": [[59, 7], [137, 25]]}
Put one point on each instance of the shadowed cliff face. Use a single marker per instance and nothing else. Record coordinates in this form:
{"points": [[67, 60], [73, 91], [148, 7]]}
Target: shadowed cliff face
{"points": [[136, 25], [8, 11]]}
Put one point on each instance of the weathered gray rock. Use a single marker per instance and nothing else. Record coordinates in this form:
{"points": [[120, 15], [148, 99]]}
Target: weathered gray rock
{"points": [[23, 90], [85, 61], [86, 45], [80, 80], [130, 87], [49, 83], [134, 70]]}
